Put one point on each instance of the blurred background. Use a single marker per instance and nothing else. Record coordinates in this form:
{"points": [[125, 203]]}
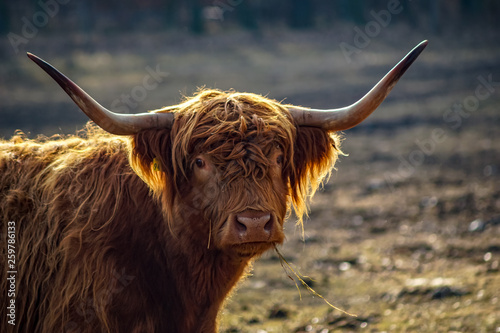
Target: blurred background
{"points": [[406, 232], [311, 52]]}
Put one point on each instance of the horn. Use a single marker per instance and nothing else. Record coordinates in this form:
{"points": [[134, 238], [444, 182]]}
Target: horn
{"points": [[114, 123], [350, 116]]}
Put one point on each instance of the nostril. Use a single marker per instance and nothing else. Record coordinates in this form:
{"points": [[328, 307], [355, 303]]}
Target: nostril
{"points": [[241, 227], [269, 225]]}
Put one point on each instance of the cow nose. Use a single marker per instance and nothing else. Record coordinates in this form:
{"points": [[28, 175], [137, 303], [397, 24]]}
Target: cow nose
{"points": [[253, 226]]}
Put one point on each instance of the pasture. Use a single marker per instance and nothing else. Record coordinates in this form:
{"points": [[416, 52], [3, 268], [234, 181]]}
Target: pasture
{"points": [[406, 234]]}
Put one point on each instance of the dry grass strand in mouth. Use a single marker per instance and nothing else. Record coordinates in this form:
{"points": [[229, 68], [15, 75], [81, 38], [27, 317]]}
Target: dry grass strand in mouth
{"points": [[288, 268]]}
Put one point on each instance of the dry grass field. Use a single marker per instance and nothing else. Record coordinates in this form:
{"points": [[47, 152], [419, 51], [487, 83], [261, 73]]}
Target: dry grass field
{"points": [[405, 235]]}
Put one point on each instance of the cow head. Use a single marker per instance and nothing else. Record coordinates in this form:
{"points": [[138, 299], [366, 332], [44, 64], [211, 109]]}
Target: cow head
{"points": [[231, 165]]}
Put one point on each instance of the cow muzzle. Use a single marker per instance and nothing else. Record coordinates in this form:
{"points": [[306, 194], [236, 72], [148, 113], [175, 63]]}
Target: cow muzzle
{"points": [[253, 231], [252, 227]]}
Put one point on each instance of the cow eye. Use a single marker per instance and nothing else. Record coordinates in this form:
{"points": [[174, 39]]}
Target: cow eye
{"points": [[199, 163], [279, 160]]}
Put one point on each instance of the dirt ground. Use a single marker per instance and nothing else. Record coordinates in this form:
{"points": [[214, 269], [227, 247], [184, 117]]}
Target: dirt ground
{"points": [[405, 235]]}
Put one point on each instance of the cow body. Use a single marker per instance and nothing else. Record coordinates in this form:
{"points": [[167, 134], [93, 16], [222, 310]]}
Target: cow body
{"points": [[148, 225], [107, 242]]}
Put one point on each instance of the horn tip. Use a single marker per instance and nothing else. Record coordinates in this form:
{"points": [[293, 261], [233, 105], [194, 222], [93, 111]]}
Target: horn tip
{"points": [[36, 59], [413, 54], [31, 55], [422, 45]]}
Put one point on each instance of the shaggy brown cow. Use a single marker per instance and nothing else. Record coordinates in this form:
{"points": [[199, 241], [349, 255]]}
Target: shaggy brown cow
{"points": [[148, 226]]}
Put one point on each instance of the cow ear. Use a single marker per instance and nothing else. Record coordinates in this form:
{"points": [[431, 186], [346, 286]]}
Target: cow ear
{"points": [[151, 159], [315, 154]]}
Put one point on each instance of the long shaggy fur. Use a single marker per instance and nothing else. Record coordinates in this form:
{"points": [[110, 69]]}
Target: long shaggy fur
{"points": [[106, 243]]}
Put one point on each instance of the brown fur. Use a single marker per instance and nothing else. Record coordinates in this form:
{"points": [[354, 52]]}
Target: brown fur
{"points": [[105, 243]]}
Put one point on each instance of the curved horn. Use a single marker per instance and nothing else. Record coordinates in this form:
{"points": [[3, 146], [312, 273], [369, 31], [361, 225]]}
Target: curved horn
{"points": [[114, 123], [350, 116]]}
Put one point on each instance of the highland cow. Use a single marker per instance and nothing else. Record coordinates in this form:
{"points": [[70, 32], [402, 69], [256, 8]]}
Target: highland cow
{"points": [[146, 222]]}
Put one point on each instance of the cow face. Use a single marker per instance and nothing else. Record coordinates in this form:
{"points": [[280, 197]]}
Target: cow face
{"points": [[235, 168], [239, 185]]}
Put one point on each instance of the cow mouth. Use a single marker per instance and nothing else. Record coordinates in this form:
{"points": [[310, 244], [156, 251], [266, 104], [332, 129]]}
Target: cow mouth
{"points": [[251, 249]]}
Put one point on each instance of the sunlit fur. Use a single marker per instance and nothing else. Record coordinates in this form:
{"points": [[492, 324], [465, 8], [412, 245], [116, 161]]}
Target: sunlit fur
{"points": [[310, 153], [106, 243]]}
